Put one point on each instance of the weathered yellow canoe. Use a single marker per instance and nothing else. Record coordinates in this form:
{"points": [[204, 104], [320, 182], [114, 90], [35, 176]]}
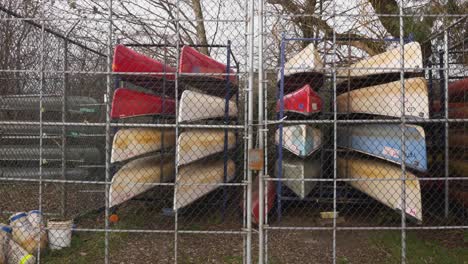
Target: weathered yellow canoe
{"points": [[191, 179], [388, 192], [132, 142], [386, 62], [385, 99], [200, 143], [139, 176]]}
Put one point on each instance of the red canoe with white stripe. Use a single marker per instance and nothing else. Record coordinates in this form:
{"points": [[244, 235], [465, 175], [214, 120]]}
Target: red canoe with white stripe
{"points": [[192, 61], [304, 101], [127, 60], [130, 103], [455, 110]]}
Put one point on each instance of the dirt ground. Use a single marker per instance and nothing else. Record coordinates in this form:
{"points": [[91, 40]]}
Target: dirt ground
{"points": [[285, 246]]}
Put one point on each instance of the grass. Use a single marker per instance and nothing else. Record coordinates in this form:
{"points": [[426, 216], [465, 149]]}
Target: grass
{"points": [[232, 259], [342, 260], [419, 251]]}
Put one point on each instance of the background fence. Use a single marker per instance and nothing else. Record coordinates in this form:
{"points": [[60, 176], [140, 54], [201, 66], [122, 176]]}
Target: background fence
{"points": [[135, 120]]}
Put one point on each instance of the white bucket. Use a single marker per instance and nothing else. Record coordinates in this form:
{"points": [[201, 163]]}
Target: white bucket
{"points": [[60, 233]]}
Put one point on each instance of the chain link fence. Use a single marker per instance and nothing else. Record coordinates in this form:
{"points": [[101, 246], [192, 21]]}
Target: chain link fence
{"points": [[249, 131]]}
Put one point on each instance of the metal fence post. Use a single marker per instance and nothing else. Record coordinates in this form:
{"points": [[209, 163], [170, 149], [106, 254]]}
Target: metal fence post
{"points": [[41, 94], [446, 116], [261, 130], [403, 139], [109, 85]]}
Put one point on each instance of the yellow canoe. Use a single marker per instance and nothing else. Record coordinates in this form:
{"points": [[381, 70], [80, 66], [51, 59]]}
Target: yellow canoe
{"points": [[133, 142], [138, 176], [386, 62], [200, 143], [385, 99], [198, 179], [388, 192]]}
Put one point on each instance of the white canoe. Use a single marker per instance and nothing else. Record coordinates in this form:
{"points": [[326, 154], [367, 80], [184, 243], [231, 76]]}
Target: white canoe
{"points": [[198, 179], [198, 106], [307, 60], [132, 142], [386, 62], [198, 144], [385, 99], [301, 140], [389, 191], [300, 170], [138, 176]]}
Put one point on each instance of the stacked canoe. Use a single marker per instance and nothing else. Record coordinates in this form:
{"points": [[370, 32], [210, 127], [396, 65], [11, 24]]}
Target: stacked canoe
{"points": [[146, 155], [299, 146], [371, 88], [203, 155]]}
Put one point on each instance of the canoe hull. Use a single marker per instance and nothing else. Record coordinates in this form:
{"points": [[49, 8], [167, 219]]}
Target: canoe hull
{"points": [[455, 110], [75, 174], [387, 192], [269, 198], [29, 153], [128, 103], [137, 177], [191, 179], [300, 170], [382, 99], [304, 101], [195, 106], [127, 60], [132, 142], [384, 141], [383, 64], [198, 144], [458, 90], [72, 131], [301, 140], [192, 61], [306, 67]]}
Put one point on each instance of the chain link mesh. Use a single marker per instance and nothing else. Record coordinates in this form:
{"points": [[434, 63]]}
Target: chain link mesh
{"points": [[125, 129]]}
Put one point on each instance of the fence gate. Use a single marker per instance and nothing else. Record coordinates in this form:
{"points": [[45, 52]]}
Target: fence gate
{"points": [[364, 131], [125, 122]]}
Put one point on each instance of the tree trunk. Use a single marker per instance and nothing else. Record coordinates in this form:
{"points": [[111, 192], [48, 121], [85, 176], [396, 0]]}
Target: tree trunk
{"points": [[201, 33]]}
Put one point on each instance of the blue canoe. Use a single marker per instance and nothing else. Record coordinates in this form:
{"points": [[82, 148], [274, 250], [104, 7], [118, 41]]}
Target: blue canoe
{"points": [[384, 141]]}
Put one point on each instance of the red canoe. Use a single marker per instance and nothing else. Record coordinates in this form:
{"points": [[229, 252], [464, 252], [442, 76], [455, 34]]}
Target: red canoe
{"points": [[129, 61], [303, 101], [458, 90], [192, 61], [456, 110], [271, 191], [129, 103]]}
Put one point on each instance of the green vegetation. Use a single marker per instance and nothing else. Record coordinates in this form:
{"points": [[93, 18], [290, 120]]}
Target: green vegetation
{"points": [[419, 250]]}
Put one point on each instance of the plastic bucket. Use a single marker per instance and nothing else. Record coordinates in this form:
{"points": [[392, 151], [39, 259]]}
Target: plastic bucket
{"points": [[60, 233], [5, 232]]}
